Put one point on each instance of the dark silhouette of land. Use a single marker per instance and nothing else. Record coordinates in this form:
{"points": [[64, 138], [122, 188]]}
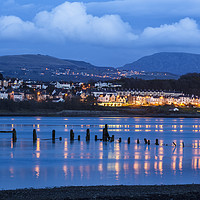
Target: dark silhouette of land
{"points": [[175, 192]]}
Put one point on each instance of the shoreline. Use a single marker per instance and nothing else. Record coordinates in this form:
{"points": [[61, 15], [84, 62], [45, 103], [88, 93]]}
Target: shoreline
{"points": [[88, 113], [164, 192]]}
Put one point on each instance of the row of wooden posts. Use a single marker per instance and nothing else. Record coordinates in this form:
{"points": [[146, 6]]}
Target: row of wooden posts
{"points": [[105, 137]]}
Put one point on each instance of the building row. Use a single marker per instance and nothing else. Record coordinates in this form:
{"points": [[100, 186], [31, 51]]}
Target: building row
{"points": [[102, 93], [157, 99]]}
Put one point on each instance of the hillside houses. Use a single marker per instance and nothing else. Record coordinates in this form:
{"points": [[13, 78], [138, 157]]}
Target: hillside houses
{"points": [[19, 90], [103, 94]]}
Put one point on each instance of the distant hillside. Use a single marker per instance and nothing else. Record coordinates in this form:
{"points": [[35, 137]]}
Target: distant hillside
{"points": [[47, 68], [40, 67], [176, 63]]}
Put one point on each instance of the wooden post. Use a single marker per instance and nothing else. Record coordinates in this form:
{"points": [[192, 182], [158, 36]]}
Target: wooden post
{"points": [[53, 135], [138, 141], [60, 138], [148, 142], [79, 137], [106, 136], [14, 135], [120, 140], [183, 144], [106, 127], [96, 138], [71, 135], [129, 140], [112, 138], [34, 135], [156, 142], [145, 141], [174, 144], [88, 135]]}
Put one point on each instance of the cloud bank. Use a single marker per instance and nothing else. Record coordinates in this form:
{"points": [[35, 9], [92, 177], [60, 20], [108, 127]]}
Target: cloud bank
{"points": [[182, 33], [12, 27], [70, 21]]}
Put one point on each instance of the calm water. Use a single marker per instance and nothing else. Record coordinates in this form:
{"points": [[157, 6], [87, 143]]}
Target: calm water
{"points": [[47, 164]]}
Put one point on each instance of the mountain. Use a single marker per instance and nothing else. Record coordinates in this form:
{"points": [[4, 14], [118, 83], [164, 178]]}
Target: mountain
{"points": [[46, 68], [41, 67], [176, 63]]}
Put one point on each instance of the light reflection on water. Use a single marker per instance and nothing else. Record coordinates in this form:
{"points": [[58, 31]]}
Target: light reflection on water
{"points": [[65, 163]]}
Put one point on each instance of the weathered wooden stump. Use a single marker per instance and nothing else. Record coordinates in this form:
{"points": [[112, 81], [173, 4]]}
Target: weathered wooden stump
{"points": [[112, 138], [106, 136], [129, 140], [79, 137], [145, 141], [138, 141], [53, 135], [60, 138], [120, 140], [71, 135], [14, 135], [34, 135], [183, 144], [156, 142], [174, 144], [95, 138], [88, 135], [148, 142]]}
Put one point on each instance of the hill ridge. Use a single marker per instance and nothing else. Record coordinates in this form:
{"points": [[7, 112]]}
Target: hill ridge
{"points": [[44, 67], [173, 62]]}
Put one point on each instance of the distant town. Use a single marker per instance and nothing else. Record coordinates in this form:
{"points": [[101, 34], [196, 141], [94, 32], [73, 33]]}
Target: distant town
{"points": [[107, 94], [44, 68]]}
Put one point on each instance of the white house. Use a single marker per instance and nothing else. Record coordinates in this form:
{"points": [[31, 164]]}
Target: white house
{"points": [[3, 95], [18, 96], [63, 85]]}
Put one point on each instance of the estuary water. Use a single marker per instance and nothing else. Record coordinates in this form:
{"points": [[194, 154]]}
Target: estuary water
{"points": [[46, 164]]}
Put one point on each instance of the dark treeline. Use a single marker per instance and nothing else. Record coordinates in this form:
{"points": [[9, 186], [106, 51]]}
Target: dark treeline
{"points": [[188, 84], [33, 106]]}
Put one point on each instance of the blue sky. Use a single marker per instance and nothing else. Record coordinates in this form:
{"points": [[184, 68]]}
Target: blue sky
{"points": [[105, 33]]}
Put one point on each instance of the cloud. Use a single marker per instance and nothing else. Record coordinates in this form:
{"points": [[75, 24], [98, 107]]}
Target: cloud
{"points": [[12, 27], [69, 21], [72, 21], [185, 32]]}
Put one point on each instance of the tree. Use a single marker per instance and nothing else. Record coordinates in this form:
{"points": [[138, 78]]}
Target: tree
{"points": [[1, 76]]}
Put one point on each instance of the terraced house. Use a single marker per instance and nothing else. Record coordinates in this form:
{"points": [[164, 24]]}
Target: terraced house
{"points": [[147, 98]]}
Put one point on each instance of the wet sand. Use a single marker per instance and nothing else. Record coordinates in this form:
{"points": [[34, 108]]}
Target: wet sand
{"points": [[106, 192]]}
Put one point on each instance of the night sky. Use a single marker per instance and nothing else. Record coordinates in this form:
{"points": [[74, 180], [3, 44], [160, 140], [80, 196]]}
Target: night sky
{"points": [[105, 33]]}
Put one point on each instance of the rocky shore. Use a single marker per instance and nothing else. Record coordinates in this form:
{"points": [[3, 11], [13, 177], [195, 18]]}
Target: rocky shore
{"points": [[162, 192]]}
